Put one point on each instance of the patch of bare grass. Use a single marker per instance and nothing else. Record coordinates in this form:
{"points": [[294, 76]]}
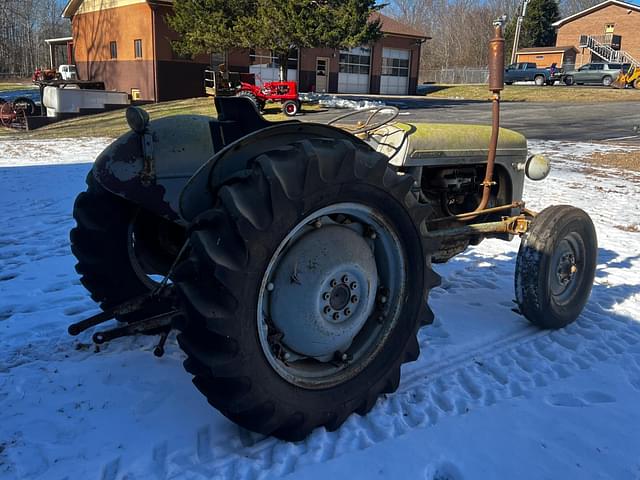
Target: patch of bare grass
{"points": [[622, 160], [532, 93], [113, 124]]}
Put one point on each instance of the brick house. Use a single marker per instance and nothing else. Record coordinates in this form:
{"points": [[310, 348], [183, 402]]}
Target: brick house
{"points": [[127, 44], [606, 32], [544, 57]]}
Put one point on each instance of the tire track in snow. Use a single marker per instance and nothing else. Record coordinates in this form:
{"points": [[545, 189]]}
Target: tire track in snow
{"points": [[492, 373]]}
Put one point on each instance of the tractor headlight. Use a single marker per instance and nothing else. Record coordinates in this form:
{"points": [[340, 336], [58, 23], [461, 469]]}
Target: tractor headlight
{"points": [[138, 119], [537, 167]]}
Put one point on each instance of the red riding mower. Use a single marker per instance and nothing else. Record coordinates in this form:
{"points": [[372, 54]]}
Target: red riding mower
{"points": [[227, 84]]}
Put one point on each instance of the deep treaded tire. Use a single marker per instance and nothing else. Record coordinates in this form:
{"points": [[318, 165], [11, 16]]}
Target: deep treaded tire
{"points": [[247, 94], [100, 242], [556, 266], [222, 280]]}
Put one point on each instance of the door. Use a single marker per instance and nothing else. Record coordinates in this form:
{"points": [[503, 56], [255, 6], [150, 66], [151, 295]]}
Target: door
{"points": [[521, 73], [395, 71], [322, 74], [354, 69], [594, 75]]}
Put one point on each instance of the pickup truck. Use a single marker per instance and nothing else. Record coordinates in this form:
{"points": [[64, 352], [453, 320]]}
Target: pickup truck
{"points": [[529, 72]]}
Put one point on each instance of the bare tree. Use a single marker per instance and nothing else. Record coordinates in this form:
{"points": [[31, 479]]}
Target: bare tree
{"points": [[569, 7], [459, 29], [25, 25]]}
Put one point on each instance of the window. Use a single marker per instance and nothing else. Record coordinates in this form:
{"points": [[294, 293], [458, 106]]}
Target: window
{"points": [[266, 66], [396, 64], [137, 48], [355, 60], [113, 48], [608, 28]]}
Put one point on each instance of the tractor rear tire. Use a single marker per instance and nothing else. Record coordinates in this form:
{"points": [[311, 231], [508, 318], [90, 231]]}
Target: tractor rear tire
{"points": [[237, 349], [103, 244], [247, 94], [556, 266]]}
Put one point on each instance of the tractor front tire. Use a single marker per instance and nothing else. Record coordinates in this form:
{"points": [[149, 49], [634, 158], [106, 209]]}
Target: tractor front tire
{"points": [[291, 108], [305, 288], [104, 246], [556, 266]]}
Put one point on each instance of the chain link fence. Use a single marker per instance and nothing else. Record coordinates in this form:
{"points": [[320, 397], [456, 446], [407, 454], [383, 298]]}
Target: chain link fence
{"points": [[455, 75]]}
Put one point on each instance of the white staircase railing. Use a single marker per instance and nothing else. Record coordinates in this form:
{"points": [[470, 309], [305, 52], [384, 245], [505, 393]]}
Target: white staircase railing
{"points": [[598, 44]]}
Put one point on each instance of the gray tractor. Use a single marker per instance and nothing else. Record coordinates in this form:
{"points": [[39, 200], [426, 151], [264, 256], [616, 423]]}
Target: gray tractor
{"points": [[295, 258]]}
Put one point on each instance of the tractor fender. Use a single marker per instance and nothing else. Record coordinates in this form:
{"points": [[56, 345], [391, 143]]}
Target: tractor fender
{"points": [[180, 145], [199, 194]]}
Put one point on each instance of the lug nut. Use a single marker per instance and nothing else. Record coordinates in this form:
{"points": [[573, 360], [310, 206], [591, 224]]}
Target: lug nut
{"points": [[327, 309], [336, 316], [353, 285], [333, 283], [373, 235], [326, 296], [383, 299], [347, 311], [380, 319], [354, 299], [344, 357], [286, 356], [317, 224], [345, 279], [270, 287]]}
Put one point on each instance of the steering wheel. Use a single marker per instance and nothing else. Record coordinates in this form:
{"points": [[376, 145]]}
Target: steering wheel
{"points": [[369, 124]]}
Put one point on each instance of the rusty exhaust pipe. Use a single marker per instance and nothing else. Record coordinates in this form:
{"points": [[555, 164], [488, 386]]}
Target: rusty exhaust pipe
{"points": [[496, 85]]}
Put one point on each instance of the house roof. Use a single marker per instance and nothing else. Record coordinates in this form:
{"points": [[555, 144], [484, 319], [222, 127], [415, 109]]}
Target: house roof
{"points": [[388, 25], [72, 6], [546, 49], [394, 27], [587, 11]]}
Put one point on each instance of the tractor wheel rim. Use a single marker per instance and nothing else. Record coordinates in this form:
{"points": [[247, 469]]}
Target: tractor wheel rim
{"points": [[566, 268], [331, 295]]}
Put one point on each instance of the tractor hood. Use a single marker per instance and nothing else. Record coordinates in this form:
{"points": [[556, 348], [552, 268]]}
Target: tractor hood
{"points": [[416, 143]]}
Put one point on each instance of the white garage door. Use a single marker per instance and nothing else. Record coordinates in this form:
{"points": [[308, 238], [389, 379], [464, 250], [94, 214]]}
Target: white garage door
{"points": [[395, 72], [266, 66], [355, 66]]}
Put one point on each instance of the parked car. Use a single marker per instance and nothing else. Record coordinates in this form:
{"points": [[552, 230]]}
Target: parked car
{"points": [[593, 73], [68, 72], [529, 72]]}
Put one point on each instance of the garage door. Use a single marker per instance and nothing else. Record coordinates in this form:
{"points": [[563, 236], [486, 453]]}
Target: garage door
{"points": [[395, 72], [353, 75], [266, 66]]}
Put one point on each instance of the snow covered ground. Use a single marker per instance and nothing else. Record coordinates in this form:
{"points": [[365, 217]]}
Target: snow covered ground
{"points": [[489, 397]]}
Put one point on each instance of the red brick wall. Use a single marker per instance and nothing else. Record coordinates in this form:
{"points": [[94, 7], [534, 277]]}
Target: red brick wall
{"points": [[627, 25]]}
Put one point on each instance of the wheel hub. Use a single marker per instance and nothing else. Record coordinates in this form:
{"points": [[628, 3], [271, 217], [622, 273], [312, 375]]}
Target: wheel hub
{"points": [[565, 271], [324, 291], [566, 268], [339, 297]]}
